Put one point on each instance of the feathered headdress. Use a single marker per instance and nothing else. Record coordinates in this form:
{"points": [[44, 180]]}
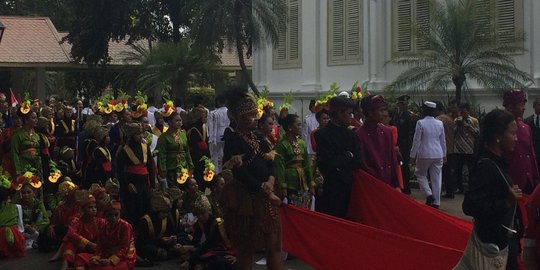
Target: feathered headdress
{"points": [[183, 176], [28, 177], [55, 173], [140, 108], [168, 108], [26, 105], [287, 101], [357, 91], [263, 102], [209, 169]]}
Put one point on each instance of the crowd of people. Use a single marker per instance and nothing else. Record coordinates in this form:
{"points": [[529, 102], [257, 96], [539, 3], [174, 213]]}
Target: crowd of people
{"points": [[126, 182]]}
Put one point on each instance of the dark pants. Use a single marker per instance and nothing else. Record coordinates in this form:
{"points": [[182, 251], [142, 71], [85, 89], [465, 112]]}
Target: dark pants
{"points": [[405, 170], [448, 173], [336, 195], [462, 160]]}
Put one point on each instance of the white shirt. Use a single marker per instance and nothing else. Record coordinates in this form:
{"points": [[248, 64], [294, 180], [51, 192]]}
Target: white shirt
{"points": [[218, 121], [309, 125], [429, 141]]}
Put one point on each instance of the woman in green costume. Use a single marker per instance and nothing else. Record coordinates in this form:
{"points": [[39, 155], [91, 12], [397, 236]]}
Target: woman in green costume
{"points": [[293, 167], [26, 146], [11, 239], [174, 159]]}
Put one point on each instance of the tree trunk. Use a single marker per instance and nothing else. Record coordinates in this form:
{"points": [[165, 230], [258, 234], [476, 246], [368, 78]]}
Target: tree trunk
{"points": [[240, 47], [458, 81]]}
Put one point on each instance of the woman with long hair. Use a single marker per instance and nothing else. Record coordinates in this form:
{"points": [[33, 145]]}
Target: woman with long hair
{"points": [[198, 142], [492, 198]]}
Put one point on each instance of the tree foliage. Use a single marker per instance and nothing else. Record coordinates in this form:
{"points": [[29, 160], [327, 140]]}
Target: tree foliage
{"points": [[460, 48], [169, 63], [239, 23]]}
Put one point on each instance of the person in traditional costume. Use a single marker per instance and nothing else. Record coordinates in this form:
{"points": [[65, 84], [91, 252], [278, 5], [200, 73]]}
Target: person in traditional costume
{"points": [[160, 127], [214, 198], [212, 248], [428, 153], [82, 232], [338, 155], [60, 220], [48, 113], [218, 121], [376, 142], [249, 204], [12, 242], [115, 245], [68, 165], [174, 159], [387, 118], [99, 168], [5, 143], [42, 129], [35, 216], [191, 194], [136, 174], [26, 143], [265, 128], [155, 236], [116, 133], [293, 165], [492, 198], [176, 196], [198, 142], [323, 118], [103, 199], [66, 130], [523, 167]]}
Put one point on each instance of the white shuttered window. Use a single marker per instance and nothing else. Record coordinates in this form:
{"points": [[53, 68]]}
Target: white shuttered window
{"points": [[503, 17], [288, 52], [406, 15], [345, 32]]}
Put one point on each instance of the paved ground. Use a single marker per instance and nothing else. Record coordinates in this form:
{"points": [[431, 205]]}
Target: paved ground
{"points": [[38, 261]]}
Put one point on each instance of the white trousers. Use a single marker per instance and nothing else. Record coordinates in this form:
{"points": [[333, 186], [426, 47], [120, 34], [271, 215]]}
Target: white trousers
{"points": [[434, 167], [216, 153]]}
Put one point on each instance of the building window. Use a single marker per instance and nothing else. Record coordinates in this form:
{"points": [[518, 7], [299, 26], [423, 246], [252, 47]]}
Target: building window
{"points": [[288, 52], [406, 15], [345, 31], [502, 17]]}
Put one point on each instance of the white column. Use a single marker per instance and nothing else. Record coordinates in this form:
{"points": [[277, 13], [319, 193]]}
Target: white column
{"points": [[311, 48], [260, 59], [531, 8]]}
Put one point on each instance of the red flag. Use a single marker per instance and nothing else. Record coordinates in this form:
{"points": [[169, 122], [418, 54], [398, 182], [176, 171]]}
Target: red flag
{"points": [[14, 100]]}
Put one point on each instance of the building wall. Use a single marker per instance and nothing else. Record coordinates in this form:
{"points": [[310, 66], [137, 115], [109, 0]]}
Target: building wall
{"points": [[316, 75]]}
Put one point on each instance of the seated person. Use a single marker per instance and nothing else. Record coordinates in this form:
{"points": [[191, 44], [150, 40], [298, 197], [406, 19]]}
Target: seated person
{"points": [[82, 233], [35, 217], [115, 245], [12, 243], [155, 239], [212, 248]]}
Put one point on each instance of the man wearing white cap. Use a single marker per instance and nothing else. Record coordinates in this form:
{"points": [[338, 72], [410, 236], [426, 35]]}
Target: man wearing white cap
{"points": [[428, 153]]}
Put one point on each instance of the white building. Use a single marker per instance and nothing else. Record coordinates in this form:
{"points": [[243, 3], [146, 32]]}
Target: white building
{"points": [[345, 41]]}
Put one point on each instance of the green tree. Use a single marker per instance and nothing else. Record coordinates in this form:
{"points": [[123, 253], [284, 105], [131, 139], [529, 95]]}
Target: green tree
{"points": [[240, 23], [169, 64], [54, 9], [460, 48]]}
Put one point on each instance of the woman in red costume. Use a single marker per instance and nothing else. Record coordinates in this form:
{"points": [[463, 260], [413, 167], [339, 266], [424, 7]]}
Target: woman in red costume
{"points": [[12, 241]]}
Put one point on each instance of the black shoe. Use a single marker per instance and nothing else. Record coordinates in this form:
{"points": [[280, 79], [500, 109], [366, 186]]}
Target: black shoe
{"points": [[449, 196], [435, 206], [430, 200]]}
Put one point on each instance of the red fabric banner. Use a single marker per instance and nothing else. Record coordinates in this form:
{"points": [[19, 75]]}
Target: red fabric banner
{"points": [[396, 232], [376, 204]]}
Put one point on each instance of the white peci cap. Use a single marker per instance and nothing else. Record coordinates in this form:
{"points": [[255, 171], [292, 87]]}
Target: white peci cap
{"points": [[430, 104]]}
